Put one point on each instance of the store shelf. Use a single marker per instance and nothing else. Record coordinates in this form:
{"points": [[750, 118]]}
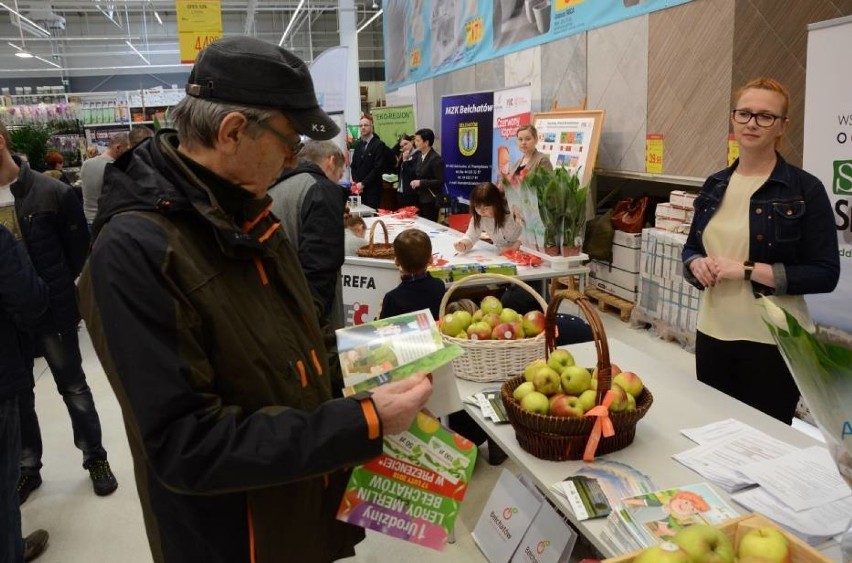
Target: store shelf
{"points": [[663, 178], [114, 124]]}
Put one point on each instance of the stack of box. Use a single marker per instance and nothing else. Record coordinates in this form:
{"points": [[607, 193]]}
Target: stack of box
{"points": [[621, 277], [665, 298], [676, 215]]}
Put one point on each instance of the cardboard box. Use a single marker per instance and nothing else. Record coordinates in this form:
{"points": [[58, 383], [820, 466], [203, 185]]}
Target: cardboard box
{"points": [[630, 240], [671, 225], [613, 289], [669, 211], [680, 198], [617, 276], [625, 258]]}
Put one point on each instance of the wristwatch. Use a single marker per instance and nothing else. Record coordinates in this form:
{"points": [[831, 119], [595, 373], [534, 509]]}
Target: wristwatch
{"points": [[748, 269]]}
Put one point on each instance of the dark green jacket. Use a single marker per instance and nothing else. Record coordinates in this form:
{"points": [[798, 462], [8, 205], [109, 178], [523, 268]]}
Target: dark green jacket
{"points": [[209, 337]]}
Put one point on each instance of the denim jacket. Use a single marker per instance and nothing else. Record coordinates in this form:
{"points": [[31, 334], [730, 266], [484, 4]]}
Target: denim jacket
{"points": [[791, 227]]}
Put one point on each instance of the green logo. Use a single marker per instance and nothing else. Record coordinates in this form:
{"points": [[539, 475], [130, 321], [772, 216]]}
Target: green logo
{"points": [[842, 183]]}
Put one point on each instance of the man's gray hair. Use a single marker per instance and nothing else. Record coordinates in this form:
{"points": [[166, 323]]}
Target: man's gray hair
{"points": [[318, 151], [198, 120]]}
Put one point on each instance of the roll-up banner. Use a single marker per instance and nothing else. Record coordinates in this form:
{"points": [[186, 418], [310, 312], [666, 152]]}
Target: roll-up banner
{"points": [[512, 109], [466, 141], [828, 151]]}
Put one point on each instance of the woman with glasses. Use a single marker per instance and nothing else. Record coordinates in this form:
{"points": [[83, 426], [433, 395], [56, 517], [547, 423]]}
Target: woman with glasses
{"points": [[490, 214], [761, 227]]}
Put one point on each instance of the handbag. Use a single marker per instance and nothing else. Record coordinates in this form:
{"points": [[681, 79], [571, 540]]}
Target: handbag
{"points": [[628, 215], [597, 242]]}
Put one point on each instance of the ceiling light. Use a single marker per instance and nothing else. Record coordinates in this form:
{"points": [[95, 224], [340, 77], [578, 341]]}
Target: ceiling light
{"points": [[375, 5], [24, 54], [292, 21], [135, 50], [156, 15], [369, 21], [42, 59]]}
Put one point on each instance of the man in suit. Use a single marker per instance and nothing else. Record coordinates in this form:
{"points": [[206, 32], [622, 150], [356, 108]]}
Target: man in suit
{"points": [[429, 182], [367, 163]]}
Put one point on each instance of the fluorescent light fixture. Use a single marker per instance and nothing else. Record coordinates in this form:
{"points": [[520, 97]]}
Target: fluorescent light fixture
{"points": [[292, 21], [20, 51], [135, 50], [156, 15], [369, 21], [51, 63], [26, 19]]}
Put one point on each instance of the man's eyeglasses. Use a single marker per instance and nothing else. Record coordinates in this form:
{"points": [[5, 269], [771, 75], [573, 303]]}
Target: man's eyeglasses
{"points": [[295, 144], [742, 117]]}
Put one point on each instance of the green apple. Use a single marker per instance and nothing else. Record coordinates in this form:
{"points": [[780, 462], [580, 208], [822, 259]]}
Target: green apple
{"points": [[620, 402], [593, 385], [705, 544], [575, 380], [560, 359], [546, 381], [479, 331], [533, 367], [665, 552], [453, 324], [477, 316], [491, 304], [631, 403], [533, 323], [535, 402], [523, 390], [462, 335], [509, 316], [566, 406], [767, 543], [465, 317], [588, 399], [630, 382]]}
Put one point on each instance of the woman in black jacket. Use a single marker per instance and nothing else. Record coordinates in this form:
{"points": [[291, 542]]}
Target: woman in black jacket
{"points": [[429, 182]]}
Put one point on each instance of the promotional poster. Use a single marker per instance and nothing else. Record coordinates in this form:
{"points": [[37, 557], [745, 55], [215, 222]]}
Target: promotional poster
{"points": [[466, 141], [512, 109]]}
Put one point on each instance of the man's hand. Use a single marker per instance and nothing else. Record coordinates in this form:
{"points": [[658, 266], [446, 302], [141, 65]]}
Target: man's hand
{"points": [[415, 184], [398, 403], [705, 271]]}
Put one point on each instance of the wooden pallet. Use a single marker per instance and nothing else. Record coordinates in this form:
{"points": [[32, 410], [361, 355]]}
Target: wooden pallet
{"points": [[623, 306]]}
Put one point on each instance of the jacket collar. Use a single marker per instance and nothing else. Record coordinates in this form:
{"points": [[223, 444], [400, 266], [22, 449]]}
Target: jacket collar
{"points": [[21, 187], [780, 173]]}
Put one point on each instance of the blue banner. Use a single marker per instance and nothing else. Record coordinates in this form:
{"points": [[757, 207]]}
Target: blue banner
{"points": [[424, 38], [466, 141]]}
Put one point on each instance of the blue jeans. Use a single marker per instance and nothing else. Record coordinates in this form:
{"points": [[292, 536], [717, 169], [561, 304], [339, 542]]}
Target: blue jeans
{"points": [[11, 544], [62, 352]]}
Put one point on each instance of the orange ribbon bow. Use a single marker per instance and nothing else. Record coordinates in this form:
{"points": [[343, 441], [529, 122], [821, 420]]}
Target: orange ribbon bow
{"points": [[603, 426]]}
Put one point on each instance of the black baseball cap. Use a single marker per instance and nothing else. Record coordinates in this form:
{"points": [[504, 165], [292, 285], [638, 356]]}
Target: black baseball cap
{"points": [[248, 71]]}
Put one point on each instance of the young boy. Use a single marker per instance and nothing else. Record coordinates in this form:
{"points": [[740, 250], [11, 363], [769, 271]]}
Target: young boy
{"points": [[418, 289]]}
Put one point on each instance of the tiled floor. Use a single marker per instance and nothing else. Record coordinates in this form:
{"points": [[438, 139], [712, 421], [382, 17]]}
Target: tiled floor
{"points": [[86, 528]]}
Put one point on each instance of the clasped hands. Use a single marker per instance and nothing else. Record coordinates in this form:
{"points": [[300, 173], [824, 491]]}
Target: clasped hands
{"points": [[711, 270]]}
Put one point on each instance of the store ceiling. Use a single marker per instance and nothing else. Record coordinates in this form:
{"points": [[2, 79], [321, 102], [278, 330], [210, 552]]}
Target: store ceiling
{"points": [[127, 37]]}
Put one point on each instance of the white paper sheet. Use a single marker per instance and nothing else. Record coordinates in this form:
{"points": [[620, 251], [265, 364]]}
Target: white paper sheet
{"points": [[714, 432], [803, 479]]}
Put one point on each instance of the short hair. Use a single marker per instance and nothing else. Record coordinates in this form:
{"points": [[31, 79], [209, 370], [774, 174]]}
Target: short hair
{"points": [[354, 221], [413, 250], [197, 120], [765, 84], [528, 127], [427, 135], [318, 151], [488, 194], [52, 158], [92, 151], [409, 138], [5, 134], [367, 116], [138, 134], [119, 139]]}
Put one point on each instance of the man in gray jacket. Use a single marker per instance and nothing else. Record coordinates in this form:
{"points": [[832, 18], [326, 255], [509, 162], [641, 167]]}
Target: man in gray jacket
{"points": [[92, 173]]}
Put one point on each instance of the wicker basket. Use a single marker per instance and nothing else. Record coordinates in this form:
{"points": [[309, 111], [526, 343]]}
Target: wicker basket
{"points": [[560, 438], [494, 360], [377, 249]]}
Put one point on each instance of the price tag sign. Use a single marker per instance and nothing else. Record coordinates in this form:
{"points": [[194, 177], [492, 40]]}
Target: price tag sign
{"points": [[654, 154], [474, 31], [199, 24]]}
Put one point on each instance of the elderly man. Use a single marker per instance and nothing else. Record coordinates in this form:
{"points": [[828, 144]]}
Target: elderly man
{"points": [[205, 325], [92, 173]]}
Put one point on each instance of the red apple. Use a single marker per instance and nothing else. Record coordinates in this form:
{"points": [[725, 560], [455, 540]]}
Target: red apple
{"points": [[533, 323], [504, 331], [492, 319], [620, 402], [566, 406], [479, 331], [630, 382], [519, 329]]}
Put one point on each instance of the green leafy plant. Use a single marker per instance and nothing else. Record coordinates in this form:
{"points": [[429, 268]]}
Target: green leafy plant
{"points": [[31, 140], [561, 205]]}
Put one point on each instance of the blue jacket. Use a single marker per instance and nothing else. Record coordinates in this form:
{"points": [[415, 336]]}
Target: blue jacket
{"points": [[56, 236], [23, 298], [791, 227]]}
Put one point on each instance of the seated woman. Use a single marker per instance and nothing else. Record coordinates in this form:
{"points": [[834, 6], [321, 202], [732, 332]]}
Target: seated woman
{"points": [[490, 214]]}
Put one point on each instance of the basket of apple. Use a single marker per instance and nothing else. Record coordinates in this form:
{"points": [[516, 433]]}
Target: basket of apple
{"points": [[748, 539], [498, 342], [549, 404]]}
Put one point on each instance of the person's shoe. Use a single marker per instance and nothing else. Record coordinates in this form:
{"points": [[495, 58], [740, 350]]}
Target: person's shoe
{"points": [[496, 455], [26, 485], [35, 544], [103, 481]]}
